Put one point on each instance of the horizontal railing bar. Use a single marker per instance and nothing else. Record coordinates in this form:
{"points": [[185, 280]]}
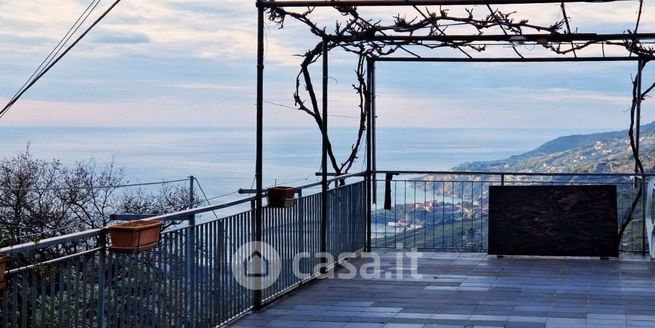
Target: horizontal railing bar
{"points": [[181, 215], [130, 217], [515, 173], [26, 247], [59, 259]]}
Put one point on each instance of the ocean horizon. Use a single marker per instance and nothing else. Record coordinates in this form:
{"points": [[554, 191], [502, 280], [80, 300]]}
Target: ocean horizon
{"points": [[223, 159]]}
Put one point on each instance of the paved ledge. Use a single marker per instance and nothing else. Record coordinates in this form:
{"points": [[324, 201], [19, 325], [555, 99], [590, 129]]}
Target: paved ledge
{"points": [[474, 290]]}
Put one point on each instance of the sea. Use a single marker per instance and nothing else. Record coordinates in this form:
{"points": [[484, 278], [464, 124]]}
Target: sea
{"points": [[223, 159]]}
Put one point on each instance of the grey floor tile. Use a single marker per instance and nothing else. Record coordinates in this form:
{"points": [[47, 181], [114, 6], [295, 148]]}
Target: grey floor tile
{"points": [[473, 289]]}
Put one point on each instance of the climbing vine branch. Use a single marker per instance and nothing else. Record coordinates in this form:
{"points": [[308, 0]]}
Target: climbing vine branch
{"points": [[369, 38]]}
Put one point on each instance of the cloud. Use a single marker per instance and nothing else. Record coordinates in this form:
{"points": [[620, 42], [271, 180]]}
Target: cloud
{"points": [[507, 108], [211, 86], [152, 112], [563, 94], [149, 59], [207, 29]]}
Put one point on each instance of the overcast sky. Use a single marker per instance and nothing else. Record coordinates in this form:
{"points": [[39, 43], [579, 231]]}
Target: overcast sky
{"points": [[192, 63]]}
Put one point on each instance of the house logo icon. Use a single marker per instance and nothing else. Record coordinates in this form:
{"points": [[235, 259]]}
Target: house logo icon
{"points": [[256, 265]]}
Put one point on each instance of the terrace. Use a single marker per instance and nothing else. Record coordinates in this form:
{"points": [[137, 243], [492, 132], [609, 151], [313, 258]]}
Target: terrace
{"points": [[191, 278]]}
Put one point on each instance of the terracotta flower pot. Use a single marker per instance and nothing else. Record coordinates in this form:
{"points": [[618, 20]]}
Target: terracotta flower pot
{"points": [[135, 236], [4, 260], [281, 196]]}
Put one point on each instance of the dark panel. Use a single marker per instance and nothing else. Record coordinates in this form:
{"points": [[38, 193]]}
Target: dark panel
{"points": [[553, 220]]}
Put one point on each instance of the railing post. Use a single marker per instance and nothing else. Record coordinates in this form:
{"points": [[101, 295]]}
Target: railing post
{"points": [[192, 199], [191, 256], [301, 224], [191, 269], [369, 190], [102, 245], [502, 179]]}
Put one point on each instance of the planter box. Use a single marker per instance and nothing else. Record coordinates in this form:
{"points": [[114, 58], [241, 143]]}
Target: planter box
{"points": [[281, 196], [136, 236], [4, 260]]}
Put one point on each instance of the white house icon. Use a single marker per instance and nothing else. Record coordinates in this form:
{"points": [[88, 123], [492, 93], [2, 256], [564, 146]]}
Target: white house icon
{"points": [[251, 268]]}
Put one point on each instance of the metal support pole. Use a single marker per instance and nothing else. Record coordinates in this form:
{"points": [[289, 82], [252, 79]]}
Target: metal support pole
{"points": [[644, 197], [502, 179], [257, 224], [102, 257], [220, 267], [192, 199], [640, 67], [324, 161], [374, 166], [191, 270], [369, 177]]}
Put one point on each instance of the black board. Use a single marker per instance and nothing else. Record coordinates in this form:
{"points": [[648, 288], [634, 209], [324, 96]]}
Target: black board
{"points": [[553, 220]]}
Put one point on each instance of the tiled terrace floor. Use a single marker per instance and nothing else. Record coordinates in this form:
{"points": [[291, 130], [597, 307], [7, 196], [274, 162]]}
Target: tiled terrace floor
{"points": [[475, 290]]}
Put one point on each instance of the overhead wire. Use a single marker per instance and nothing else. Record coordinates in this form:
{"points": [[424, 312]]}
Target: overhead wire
{"points": [[221, 196], [48, 67], [96, 187], [296, 180], [62, 42], [204, 195], [291, 107]]}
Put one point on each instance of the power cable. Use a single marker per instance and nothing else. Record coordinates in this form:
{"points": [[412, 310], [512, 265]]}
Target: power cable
{"points": [[95, 188], [204, 195], [54, 62], [61, 43], [221, 196]]}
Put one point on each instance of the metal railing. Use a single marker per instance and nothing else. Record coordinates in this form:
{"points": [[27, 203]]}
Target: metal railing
{"points": [[186, 281], [442, 210]]}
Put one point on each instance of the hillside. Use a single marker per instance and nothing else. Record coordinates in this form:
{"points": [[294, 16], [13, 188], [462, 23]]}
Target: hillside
{"points": [[607, 152]]}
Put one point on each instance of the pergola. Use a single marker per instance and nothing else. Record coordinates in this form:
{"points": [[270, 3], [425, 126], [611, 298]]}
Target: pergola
{"points": [[396, 42]]}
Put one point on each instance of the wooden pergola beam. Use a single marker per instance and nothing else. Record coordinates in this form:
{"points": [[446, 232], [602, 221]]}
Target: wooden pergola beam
{"points": [[508, 59], [580, 37], [382, 3]]}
